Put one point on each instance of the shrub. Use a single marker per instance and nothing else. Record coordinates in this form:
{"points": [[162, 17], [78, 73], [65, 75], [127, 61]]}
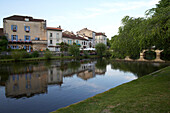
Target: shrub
{"points": [[101, 49], [35, 54], [47, 55], [74, 50], [17, 55], [86, 54], [62, 55]]}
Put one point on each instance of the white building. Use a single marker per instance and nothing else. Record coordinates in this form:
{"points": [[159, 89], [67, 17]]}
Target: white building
{"points": [[54, 37]]}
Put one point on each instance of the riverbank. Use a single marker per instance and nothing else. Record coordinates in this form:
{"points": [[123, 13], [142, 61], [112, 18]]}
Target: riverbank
{"points": [[43, 58], [150, 93]]}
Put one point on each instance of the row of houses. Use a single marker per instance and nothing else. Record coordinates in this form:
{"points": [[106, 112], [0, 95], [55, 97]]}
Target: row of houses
{"points": [[25, 32]]}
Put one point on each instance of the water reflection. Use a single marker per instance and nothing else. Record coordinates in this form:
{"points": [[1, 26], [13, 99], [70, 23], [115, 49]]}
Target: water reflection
{"points": [[26, 80]]}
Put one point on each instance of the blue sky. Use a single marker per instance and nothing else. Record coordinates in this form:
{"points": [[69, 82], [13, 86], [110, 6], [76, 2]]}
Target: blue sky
{"points": [[73, 15]]}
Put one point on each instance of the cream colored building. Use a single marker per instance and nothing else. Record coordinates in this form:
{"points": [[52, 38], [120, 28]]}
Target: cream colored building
{"points": [[89, 35], [101, 38], [22, 31]]}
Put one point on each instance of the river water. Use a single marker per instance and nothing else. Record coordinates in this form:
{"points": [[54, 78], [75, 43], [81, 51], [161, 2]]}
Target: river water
{"points": [[41, 87]]}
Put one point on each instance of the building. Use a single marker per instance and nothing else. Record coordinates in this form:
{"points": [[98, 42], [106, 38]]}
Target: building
{"points": [[70, 38], [54, 37], [93, 37], [25, 32], [101, 38], [89, 35]]}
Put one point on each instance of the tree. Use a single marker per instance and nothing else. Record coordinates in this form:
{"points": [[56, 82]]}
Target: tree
{"points": [[63, 46], [101, 49], [3, 43], [137, 34], [74, 50]]}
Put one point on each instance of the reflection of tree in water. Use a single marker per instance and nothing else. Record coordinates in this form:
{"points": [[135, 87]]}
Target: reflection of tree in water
{"points": [[15, 68], [101, 64], [74, 65], [137, 68]]}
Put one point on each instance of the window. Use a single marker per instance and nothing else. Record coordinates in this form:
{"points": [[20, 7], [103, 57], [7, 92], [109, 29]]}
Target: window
{"points": [[36, 38], [51, 34], [51, 41], [27, 28], [14, 37], [14, 28], [27, 38]]}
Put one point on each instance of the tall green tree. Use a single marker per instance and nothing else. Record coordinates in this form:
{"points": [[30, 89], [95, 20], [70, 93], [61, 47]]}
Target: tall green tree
{"points": [[137, 34], [74, 50], [100, 49]]}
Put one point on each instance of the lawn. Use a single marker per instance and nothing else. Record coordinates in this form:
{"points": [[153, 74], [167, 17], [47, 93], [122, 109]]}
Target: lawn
{"points": [[148, 94]]}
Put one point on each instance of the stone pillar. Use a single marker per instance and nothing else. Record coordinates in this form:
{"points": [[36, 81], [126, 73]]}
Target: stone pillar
{"points": [[142, 56], [158, 55], [127, 58]]}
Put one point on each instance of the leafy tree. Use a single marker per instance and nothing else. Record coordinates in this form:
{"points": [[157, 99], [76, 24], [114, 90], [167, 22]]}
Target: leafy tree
{"points": [[137, 34], [101, 49], [3, 43], [47, 55], [74, 50], [63, 46]]}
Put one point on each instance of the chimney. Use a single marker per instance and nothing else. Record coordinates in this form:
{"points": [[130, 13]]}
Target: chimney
{"points": [[59, 27]]}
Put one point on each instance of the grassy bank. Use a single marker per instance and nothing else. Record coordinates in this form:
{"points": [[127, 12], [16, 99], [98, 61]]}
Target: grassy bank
{"points": [[43, 58], [148, 94]]}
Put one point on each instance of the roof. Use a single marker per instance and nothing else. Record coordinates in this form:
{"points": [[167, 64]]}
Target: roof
{"points": [[22, 18], [98, 34], [73, 36], [53, 28], [1, 32]]}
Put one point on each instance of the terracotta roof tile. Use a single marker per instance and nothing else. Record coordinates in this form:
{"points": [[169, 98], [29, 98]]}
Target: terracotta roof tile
{"points": [[53, 28], [73, 36]]}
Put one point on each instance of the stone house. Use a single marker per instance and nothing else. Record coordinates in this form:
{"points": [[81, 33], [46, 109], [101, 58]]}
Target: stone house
{"points": [[25, 32]]}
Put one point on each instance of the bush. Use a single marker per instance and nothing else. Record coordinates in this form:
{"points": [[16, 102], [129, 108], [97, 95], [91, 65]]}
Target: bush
{"points": [[25, 54], [47, 55], [101, 49], [17, 55], [74, 50], [62, 55], [108, 53], [35, 54], [86, 54]]}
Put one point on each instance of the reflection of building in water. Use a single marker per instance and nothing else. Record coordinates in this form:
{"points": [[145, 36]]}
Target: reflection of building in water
{"points": [[26, 85], [86, 71], [100, 71], [55, 76]]}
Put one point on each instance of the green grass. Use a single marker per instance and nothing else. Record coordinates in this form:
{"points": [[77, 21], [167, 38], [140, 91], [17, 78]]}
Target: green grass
{"points": [[148, 94]]}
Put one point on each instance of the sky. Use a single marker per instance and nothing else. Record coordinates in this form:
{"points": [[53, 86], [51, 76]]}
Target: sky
{"points": [[74, 15]]}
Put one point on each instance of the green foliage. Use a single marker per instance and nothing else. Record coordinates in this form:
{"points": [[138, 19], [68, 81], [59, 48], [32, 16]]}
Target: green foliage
{"points": [[47, 55], [17, 55], [35, 54], [62, 55], [137, 34], [3, 43], [100, 49], [74, 50], [86, 54], [63, 46]]}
